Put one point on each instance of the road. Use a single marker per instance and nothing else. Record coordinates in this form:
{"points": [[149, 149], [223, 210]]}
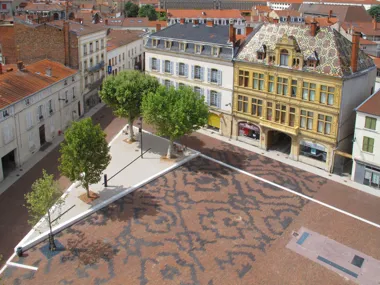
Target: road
{"points": [[13, 216]]}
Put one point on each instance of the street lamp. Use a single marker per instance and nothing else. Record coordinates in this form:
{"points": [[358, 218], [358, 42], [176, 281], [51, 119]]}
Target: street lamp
{"points": [[139, 123]]}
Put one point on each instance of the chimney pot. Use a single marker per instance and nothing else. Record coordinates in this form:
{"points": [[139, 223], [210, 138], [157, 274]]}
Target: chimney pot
{"points": [[20, 65], [232, 35], [158, 27], [355, 51], [48, 71]]}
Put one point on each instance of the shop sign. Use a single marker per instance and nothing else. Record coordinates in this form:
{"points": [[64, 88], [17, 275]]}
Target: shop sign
{"points": [[313, 146], [249, 126]]}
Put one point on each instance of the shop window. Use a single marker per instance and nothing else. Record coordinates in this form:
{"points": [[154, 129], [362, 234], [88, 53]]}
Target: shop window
{"points": [[307, 120], [282, 86], [269, 111], [294, 88], [370, 123], [249, 130], [242, 103], [243, 78], [280, 113], [256, 107], [308, 91], [368, 144], [284, 57], [327, 95], [271, 83], [372, 177], [258, 81], [324, 124], [313, 151], [292, 116]]}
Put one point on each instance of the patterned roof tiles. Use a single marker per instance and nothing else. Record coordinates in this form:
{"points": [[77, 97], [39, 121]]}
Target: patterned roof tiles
{"points": [[332, 49]]}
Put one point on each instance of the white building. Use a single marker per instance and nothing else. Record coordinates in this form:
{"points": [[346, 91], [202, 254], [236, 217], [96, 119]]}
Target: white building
{"points": [[125, 50], [37, 103], [366, 147], [199, 56]]}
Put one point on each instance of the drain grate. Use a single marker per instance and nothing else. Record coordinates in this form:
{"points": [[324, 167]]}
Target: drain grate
{"points": [[357, 261]]}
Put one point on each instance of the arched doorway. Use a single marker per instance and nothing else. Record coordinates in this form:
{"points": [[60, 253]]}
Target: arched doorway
{"points": [[56, 16], [279, 141]]}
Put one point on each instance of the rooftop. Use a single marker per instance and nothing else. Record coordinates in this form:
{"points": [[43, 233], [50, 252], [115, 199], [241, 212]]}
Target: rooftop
{"points": [[332, 49], [204, 14], [118, 38], [78, 28], [366, 28], [322, 21], [371, 105], [16, 85], [285, 13], [43, 7]]}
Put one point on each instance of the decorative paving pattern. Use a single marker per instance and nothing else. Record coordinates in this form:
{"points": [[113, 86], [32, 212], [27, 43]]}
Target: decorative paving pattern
{"points": [[200, 224]]}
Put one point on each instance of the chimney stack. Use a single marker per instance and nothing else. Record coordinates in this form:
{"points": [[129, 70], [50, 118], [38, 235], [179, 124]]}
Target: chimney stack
{"points": [[329, 16], [248, 30], [196, 22], [374, 24], [106, 22], [1, 68], [66, 38], [182, 21], [355, 51], [313, 27], [20, 65], [158, 27], [232, 35], [288, 19], [209, 23], [48, 71]]}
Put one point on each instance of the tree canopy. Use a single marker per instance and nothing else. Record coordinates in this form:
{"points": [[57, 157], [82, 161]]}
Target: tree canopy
{"points": [[84, 153], [175, 113], [124, 93], [374, 11], [148, 11], [131, 9]]}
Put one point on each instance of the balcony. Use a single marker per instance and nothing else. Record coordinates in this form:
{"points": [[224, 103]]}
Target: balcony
{"points": [[95, 84], [96, 67]]}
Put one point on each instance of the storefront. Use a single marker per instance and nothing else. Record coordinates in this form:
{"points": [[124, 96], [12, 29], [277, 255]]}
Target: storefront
{"points": [[213, 121], [367, 174], [249, 133], [313, 150]]}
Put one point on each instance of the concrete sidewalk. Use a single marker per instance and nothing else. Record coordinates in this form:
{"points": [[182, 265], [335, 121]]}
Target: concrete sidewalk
{"points": [[141, 171], [283, 158]]}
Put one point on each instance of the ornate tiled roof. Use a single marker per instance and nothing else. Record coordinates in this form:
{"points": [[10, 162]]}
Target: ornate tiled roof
{"points": [[332, 49]]}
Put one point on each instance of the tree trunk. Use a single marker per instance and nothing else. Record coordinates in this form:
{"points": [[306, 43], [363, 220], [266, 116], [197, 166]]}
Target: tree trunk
{"points": [[52, 245], [130, 133], [170, 149], [88, 190]]}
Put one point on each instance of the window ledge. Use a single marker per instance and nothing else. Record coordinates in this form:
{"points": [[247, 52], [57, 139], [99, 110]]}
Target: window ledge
{"points": [[369, 153]]}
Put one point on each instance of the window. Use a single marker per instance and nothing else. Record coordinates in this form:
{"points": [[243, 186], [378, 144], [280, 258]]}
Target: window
{"points": [[4, 6], [119, 57], [368, 144], [327, 95], [50, 106], [256, 107], [40, 116], [269, 111], [85, 81], [215, 51], [370, 123], [97, 45], [167, 66], [324, 124], [292, 116], [272, 59], [91, 62], [214, 99], [181, 85], [308, 91], [27, 101], [294, 88], [280, 113], [214, 75], [372, 177], [197, 72], [258, 81], [123, 55], [197, 90], [182, 46], [284, 57], [271, 83], [102, 43], [91, 49], [181, 69], [306, 120], [154, 43], [154, 63], [282, 86], [167, 84], [168, 44], [296, 62], [198, 49], [84, 49], [243, 78], [242, 103], [85, 64]]}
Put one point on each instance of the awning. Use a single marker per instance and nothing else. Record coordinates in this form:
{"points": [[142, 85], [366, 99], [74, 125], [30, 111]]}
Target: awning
{"points": [[249, 126]]}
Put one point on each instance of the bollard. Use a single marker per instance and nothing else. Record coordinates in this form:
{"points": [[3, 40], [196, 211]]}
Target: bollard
{"points": [[105, 180]]}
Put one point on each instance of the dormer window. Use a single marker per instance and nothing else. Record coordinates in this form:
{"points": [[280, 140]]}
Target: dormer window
{"points": [[215, 51], [182, 46], [296, 62], [198, 49], [262, 52], [284, 57], [312, 60], [272, 59], [168, 44], [154, 43]]}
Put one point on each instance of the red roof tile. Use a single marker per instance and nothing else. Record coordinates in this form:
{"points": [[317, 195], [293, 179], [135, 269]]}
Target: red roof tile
{"points": [[371, 105], [16, 85], [204, 14], [118, 38]]}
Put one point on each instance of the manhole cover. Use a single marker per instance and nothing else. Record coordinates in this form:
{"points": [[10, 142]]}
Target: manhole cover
{"points": [[357, 261]]}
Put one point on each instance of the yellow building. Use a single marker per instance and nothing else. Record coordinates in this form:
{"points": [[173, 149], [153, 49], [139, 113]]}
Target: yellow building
{"points": [[295, 88]]}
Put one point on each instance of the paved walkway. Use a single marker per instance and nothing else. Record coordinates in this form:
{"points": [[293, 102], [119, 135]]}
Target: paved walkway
{"points": [[121, 182]]}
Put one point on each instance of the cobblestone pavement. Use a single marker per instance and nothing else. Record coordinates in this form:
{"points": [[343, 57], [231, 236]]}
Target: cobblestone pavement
{"points": [[200, 224]]}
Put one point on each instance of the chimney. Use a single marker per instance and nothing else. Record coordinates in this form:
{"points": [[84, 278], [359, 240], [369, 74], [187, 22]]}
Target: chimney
{"points": [[20, 65], [374, 24], [355, 51], [106, 22], [329, 16], [48, 71], [1, 68], [288, 19], [248, 30], [209, 23], [313, 27], [196, 22], [275, 21], [232, 35], [182, 21], [158, 27], [66, 38]]}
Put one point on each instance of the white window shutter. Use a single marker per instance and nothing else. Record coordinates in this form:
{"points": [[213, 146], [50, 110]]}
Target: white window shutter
{"points": [[192, 71], [202, 73], [177, 68], [219, 77], [219, 101], [150, 63], [163, 66], [171, 67], [208, 74], [158, 65], [208, 97], [186, 70]]}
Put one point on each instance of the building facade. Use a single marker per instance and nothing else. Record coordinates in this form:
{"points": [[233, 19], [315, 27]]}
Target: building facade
{"points": [[366, 146], [38, 103], [295, 87], [199, 56]]}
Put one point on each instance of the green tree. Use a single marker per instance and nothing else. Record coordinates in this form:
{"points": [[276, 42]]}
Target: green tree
{"points": [[124, 93], [374, 11], [84, 153], [174, 113], [131, 9], [45, 193], [148, 11]]}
